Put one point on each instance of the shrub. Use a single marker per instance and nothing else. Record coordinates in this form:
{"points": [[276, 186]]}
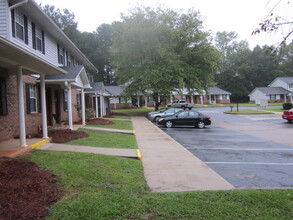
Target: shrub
{"points": [[287, 106]]}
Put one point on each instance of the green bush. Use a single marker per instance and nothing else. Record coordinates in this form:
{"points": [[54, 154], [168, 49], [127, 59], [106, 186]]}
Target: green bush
{"points": [[287, 106]]}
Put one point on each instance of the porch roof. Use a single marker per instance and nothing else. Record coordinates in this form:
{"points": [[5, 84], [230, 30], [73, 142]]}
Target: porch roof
{"points": [[76, 74], [217, 91], [96, 87], [114, 90], [13, 55]]}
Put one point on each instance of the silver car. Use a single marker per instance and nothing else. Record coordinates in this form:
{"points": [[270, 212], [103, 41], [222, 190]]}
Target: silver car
{"points": [[155, 116]]}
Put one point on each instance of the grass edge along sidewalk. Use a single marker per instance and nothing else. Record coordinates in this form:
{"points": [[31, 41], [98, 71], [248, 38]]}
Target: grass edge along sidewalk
{"points": [[105, 187]]}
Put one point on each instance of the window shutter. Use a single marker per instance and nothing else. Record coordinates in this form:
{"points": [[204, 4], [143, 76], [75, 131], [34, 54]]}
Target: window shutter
{"points": [[34, 36], [13, 22], [3, 98], [25, 30], [39, 100], [43, 41], [63, 57], [28, 103], [66, 58], [58, 51]]}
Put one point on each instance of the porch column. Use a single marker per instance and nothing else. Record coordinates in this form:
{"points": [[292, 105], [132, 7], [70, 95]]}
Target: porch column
{"points": [[82, 107], [101, 106], [210, 99], [138, 104], [44, 108], [104, 106], [97, 105], [22, 132], [115, 105], [201, 99], [69, 107]]}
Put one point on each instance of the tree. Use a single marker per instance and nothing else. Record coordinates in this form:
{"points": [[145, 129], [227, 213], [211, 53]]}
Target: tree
{"points": [[275, 22], [158, 50]]}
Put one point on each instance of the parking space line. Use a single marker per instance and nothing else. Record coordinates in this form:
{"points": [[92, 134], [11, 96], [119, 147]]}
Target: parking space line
{"points": [[251, 163], [240, 149]]}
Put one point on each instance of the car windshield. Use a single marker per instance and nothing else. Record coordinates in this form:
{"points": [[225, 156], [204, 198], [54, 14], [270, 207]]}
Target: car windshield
{"points": [[163, 110]]}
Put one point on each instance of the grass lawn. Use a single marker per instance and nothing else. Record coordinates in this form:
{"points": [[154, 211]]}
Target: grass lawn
{"points": [[247, 111], [135, 112], [276, 109], [105, 187], [106, 139], [124, 125], [120, 117]]}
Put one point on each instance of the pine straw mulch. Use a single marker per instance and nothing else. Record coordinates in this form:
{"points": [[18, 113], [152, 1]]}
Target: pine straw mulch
{"points": [[65, 135], [26, 192]]}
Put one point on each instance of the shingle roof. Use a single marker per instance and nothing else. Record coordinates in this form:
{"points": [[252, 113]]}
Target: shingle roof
{"points": [[217, 91], [272, 90], [114, 90], [73, 72], [288, 80], [96, 87]]}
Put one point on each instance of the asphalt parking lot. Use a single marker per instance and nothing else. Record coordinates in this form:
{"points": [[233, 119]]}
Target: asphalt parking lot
{"points": [[247, 150]]}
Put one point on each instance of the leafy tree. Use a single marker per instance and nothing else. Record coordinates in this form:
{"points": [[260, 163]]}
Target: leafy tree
{"points": [[158, 50], [286, 60]]}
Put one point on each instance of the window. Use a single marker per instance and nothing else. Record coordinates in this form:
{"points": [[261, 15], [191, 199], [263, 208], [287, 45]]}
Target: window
{"points": [[225, 97], [38, 37], [72, 60], [273, 97], [19, 25], [69, 60], [61, 53], [291, 85], [193, 114], [3, 98], [183, 114], [65, 100], [31, 98]]}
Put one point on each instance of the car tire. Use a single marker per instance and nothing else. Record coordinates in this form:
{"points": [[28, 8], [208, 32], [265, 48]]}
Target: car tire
{"points": [[200, 125], [289, 120], [157, 119], [168, 124], [190, 108]]}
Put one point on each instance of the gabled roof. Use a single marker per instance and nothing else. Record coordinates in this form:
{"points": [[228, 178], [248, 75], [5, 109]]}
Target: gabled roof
{"points": [[272, 90], [33, 10], [114, 90], [217, 91], [76, 74], [288, 80], [97, 87]]}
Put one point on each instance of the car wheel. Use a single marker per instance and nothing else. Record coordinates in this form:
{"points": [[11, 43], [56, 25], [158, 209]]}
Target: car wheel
{"points": [[290, 120], [190, 108], [168, 124], [200, 125], [157, 118]]}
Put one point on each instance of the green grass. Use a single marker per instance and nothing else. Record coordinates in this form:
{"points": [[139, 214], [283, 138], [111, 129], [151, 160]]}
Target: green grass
{"points": [[247, 111], [124, 125], [276, 109], [135, 112], [106, 139], [120, 117], [105, 187]]}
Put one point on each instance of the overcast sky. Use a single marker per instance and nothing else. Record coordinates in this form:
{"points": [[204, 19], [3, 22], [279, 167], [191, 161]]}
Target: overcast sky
{"points": [[241, 16]]}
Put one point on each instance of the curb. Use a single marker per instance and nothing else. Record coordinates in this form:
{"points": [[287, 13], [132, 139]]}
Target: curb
{"points": [[138, 154], [38, 144]]}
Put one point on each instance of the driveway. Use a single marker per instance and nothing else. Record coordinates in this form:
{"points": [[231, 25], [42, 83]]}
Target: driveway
{"points": [[248, 150]]}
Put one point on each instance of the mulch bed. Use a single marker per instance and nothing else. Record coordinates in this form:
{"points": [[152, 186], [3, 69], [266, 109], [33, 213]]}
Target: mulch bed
{"points": [[26, 192], [99, 121], [65, 135]]}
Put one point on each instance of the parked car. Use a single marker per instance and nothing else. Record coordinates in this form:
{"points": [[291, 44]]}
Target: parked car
{"points": [[288, 115], [155, 116], [181, 104], [186, 117]]}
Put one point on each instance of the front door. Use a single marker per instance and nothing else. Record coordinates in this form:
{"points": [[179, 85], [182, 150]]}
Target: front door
{"points": [[49, 107]]}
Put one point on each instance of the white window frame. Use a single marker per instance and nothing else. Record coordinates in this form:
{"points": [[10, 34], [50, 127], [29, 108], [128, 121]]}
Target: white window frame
{"points": [[39, 39], [19, 22], [33, 98]]}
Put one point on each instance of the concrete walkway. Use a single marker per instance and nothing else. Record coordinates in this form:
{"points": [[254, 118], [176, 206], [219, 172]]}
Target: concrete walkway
{"points": [[131, 153], [168, 166], [109, 129]]}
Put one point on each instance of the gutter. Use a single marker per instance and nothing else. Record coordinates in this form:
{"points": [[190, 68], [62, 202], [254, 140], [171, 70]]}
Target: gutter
{"points": [[18, 4]]}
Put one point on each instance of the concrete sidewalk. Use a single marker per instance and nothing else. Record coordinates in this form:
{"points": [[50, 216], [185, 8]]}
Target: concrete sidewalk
{"points": [[168, 166], [131, 153]]}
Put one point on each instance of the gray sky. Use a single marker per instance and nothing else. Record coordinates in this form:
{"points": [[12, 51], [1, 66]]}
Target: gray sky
{"points": [[241, 16]]}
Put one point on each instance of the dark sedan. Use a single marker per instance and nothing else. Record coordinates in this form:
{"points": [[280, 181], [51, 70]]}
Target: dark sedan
{"points": [[187, 117]]}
